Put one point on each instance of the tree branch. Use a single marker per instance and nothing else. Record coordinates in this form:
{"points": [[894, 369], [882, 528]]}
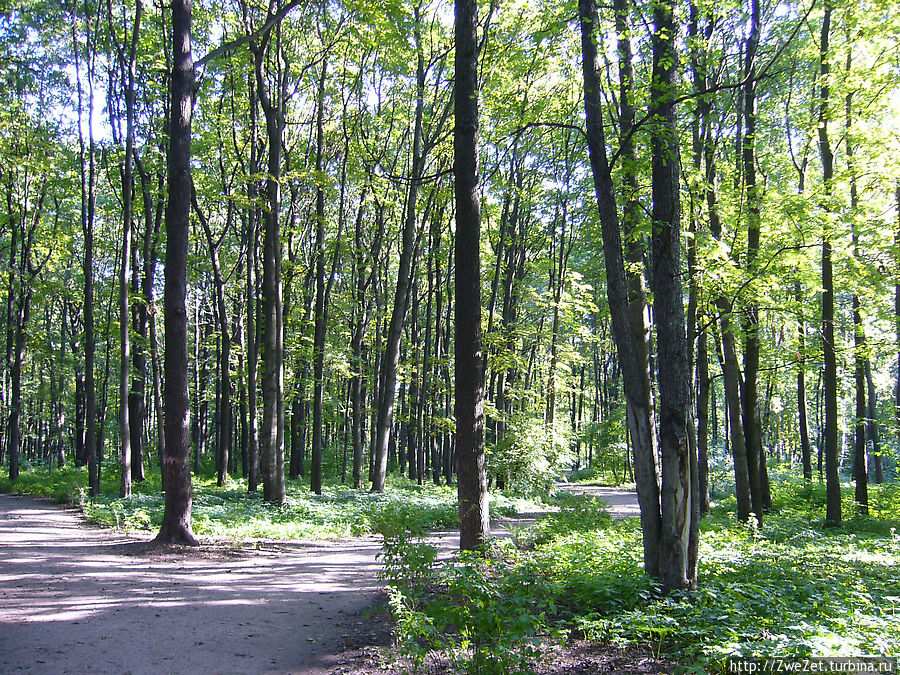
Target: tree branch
{"points": [[240, 42]]}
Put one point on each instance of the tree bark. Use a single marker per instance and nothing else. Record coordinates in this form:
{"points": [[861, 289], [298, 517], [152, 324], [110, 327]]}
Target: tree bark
{"points": [[176, 524], [635, 368], [272, 426], [829, 378], [750, 415], [679, 498], [474, 525], [315, 470]]}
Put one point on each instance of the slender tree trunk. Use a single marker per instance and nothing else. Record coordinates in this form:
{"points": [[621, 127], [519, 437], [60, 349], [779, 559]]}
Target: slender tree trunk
{"points": [[873, 426], [315, 470], [474, 525], [176, 525], [829, 379], [128, 72], [802, 414], [750, 415], [87, 170], [391, 358], [860, 466]]}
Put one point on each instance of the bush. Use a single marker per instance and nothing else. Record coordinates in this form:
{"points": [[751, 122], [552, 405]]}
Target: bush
{"points": [[530, 457]]}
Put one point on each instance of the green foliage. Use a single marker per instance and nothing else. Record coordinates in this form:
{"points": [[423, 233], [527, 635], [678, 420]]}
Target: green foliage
{"points": [[794, 588], [530, 457], [233, 513]]}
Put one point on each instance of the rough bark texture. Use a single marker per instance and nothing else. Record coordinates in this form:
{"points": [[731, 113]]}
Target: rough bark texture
{"points": [[474, 526], [315, 468], [176, 525], [635, 370], [678, 499], [271, 436]]}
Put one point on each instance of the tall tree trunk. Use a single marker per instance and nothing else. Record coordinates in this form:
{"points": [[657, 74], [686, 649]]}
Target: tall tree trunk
{"points": [[223, 456], [802, 414], [315, 470], [860, 467], [750, 415], [897, 318], [829, 378], [128, 72], [87, 172], [391, 359], [679, 498], [474, 523], [176, 524], [635, 368], [272, 427]]}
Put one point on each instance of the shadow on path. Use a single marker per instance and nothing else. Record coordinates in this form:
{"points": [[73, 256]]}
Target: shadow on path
{"points": [[78, 599]]}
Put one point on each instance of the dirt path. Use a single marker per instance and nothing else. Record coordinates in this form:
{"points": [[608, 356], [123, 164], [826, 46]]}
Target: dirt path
{"points": [[79, 599], [76, 598]]}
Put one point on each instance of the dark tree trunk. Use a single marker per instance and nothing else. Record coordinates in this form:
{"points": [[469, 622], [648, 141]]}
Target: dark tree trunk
{"points": [[802, 414], [635, 367], [225, 414], [474, 525], [128, 75], [272, 425], [679, 498], [176, 524], [829, 378], [315, 469], [750, 415], [860, 466]]}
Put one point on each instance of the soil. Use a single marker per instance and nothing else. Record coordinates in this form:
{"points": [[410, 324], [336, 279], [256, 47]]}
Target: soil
{"points": [[76, 598]]}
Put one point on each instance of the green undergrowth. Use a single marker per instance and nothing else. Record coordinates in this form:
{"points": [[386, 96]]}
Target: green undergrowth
{"points": [[233, 513], [793, 588]]}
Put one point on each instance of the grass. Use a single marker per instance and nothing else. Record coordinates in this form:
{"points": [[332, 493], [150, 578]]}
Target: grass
{"points": [[792, 588], [233, 513]]}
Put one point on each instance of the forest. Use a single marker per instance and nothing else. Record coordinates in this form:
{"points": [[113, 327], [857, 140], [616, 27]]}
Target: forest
{"points": [[328, 268]]}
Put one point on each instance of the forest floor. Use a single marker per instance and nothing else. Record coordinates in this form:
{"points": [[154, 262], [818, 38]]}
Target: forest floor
{"points": [[78, 598]]}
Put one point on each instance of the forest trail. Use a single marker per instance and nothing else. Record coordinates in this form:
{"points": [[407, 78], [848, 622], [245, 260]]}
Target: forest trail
{"points": [[75, 598]]}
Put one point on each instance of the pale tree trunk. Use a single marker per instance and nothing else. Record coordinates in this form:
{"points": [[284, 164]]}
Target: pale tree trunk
{"points": [[474, 522]]}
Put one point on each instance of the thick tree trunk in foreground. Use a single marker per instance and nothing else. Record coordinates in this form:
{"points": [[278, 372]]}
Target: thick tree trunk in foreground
{"points": [[271, 437], [635, 369], [679, 498], [176, 525], [474, 526]]}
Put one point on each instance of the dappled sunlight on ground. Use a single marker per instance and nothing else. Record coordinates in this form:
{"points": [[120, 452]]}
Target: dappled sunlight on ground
{"points": [[75, 598]]}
